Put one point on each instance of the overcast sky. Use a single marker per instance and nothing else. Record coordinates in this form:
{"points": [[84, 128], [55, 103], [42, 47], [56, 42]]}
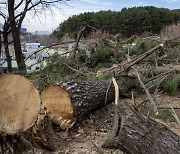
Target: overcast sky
{"points": [[50, 21]]}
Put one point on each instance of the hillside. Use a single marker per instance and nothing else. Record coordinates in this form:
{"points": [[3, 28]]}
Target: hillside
{"points": [[128, 21]]}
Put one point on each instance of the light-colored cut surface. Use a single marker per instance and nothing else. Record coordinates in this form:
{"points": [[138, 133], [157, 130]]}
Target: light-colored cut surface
{"points": [[19, 104], [58, 103]]}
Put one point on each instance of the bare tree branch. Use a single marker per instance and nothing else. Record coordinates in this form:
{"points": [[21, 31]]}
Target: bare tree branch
{"points": [[152, 101], [18, 5]]}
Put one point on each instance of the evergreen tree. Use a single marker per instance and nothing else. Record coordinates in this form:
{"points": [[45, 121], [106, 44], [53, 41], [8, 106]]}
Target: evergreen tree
{"points": [[128, 21]]}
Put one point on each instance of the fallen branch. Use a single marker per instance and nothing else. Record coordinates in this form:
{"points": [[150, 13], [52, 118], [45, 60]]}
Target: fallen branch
{"points": [[119, 68], [118, 119], [152, 101], [169, 108], [75, 70], [143, 56], [158, 76], [175, 115]]}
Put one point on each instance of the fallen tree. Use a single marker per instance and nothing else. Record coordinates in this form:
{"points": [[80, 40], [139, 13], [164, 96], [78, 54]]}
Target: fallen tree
{"points": [[140, 134], [67, 102], [135, 133]]}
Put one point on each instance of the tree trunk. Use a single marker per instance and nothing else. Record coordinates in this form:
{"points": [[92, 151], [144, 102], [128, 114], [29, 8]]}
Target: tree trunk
{"points": [[78, 40], [67, 101], [16, 37], [19, 109], [0, 44], [145, 136], [6, 48]]}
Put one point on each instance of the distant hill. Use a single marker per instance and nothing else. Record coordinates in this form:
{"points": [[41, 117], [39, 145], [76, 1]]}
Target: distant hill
{"points": [[128, 21], [177, 10], [41, 33]]}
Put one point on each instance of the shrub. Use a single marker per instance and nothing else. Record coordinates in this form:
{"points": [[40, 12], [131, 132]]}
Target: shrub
{"points": [[165, 115], [172, 84], [100, 54]]}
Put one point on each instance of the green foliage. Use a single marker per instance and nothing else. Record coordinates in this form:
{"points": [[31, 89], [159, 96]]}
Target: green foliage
{"points": [[118, 37], [172, 84], [173, 53], [39, 79], [100, 54], [119, 56], [55, 71], [141, 47], [105, 53], [176, 15], [165, 115], [127, 22]]}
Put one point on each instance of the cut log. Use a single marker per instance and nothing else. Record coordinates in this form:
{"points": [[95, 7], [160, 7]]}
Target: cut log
{"points": [[142, 135], [19, 104], [19, 109], [67, 101]]}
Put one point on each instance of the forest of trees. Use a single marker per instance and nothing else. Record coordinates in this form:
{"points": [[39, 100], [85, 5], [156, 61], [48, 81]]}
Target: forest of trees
{"points": [[127, 22]]}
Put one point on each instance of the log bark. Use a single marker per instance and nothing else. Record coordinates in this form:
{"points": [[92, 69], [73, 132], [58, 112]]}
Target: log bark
{"points": [[67, 102], [142, 135]]}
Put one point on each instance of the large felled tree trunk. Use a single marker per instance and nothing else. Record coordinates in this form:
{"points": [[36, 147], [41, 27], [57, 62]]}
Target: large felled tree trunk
{"points": [[142, 135], [19, 109], [68, 100]]}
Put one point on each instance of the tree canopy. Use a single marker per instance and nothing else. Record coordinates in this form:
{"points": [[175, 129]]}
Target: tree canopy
{"points": [[128, 21]]}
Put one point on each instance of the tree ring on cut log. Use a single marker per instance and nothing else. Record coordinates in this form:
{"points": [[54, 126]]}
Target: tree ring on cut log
{"points": [[19, 104], [58, 103]]}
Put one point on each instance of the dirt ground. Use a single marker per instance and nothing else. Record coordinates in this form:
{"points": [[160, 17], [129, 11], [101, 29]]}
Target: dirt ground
{"points": [[88, 136]]}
